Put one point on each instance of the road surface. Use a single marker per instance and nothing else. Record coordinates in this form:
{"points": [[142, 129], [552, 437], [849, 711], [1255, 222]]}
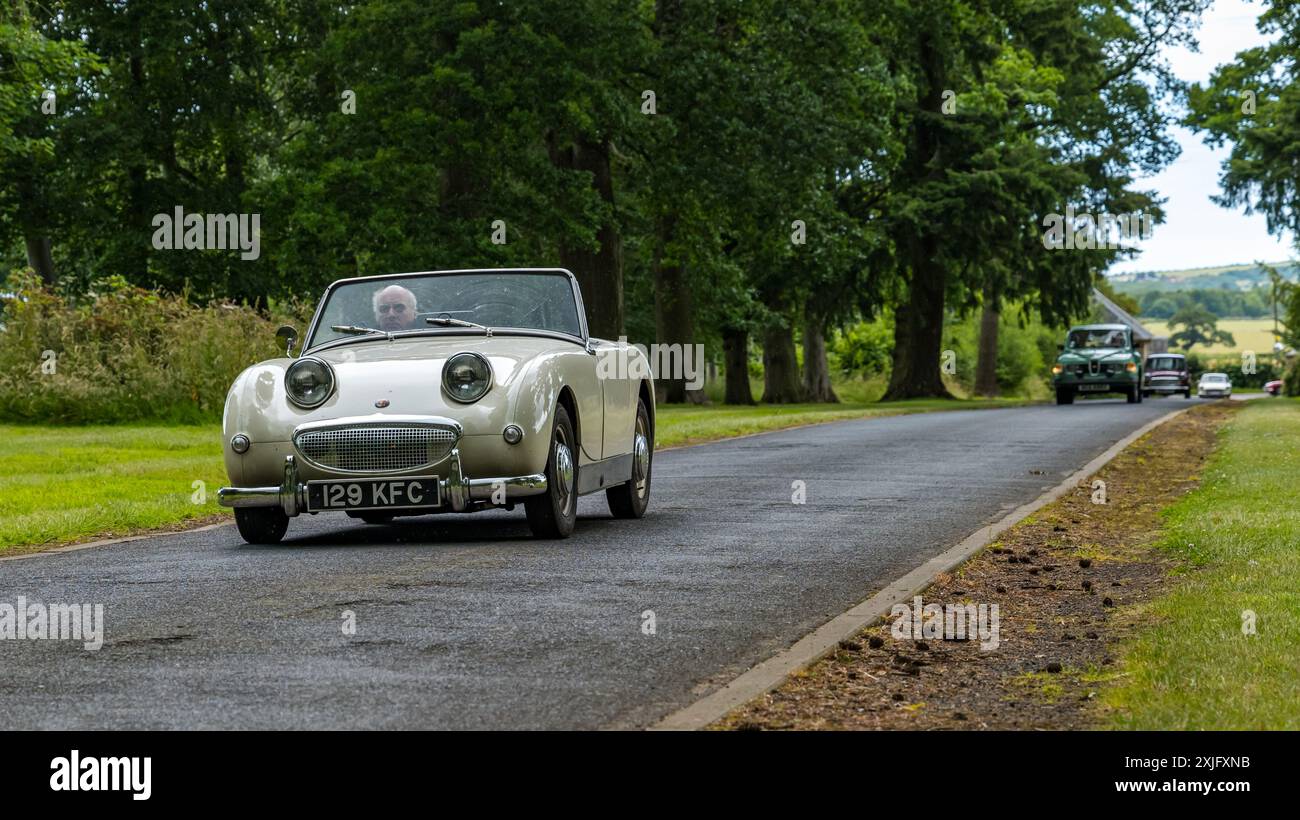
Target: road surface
{"points": [[465, 622]]}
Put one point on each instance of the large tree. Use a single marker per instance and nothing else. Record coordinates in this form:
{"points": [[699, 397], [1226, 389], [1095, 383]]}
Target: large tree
{"points": [[1017, 107]]}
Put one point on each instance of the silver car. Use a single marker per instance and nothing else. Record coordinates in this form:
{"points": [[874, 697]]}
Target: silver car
{"points": [[1214, 386], [442, 391]]}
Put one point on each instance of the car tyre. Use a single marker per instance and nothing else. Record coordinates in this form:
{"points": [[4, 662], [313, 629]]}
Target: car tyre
{"points": [[1187, 394], [553, 514], [630, 499], [1133, 396], [1064, 395], [261, 525]]}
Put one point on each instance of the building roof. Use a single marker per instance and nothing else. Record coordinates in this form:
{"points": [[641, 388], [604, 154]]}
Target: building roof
{"points": [[1122, 316]]}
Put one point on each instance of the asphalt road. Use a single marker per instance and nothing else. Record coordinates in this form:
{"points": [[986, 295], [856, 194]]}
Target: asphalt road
{"points": [[466, 622]]}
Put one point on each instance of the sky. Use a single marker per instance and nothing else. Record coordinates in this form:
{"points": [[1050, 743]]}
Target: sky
{"points": [[1196, 232]]}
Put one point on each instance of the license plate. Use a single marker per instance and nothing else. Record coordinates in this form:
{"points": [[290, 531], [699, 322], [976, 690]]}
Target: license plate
{"points": [[373, 494], [1102, 387]]}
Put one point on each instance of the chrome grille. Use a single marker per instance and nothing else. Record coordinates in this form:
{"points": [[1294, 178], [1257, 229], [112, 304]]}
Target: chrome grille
{"points": [[376, 448]]}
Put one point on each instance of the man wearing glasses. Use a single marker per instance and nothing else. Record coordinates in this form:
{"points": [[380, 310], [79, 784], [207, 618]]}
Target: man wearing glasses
{"points": [[394, 308]]}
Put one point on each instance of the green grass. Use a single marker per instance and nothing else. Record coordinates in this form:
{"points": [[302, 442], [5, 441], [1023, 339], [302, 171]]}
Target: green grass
{"points": [[65, 484], [1192, 667], [677, 425], [60, 485]]}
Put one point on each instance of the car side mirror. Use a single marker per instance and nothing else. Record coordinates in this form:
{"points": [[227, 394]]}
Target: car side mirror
{"points": [[592, 345], [288, 337]]}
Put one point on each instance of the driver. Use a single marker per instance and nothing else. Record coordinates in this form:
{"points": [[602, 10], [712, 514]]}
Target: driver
{"points": [[394, 308]]}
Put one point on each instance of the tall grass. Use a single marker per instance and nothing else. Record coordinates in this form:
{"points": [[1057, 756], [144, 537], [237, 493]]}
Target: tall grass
{"points": [[122, 353]]}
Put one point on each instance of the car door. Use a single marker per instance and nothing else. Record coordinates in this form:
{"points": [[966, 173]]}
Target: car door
{"points": [[619, 369]]}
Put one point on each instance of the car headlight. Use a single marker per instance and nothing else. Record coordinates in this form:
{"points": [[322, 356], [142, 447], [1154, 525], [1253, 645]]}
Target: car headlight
{"points": [[466, 377], [1057, 369], [1130, 367], [309, 382]]}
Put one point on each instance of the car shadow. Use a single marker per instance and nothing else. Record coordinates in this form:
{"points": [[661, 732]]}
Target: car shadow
{"points": [[427, 531]]}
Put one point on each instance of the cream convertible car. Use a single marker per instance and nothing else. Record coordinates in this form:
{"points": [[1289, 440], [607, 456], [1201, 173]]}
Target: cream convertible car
{"points": [[449, 391]]}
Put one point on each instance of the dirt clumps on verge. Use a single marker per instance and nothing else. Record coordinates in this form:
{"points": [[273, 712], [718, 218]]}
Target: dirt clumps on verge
{"points": [[1070, 581]]}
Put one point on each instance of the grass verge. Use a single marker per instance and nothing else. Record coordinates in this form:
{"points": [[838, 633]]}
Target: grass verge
{"points": [[60, 485], [1193, 664], [1071, 583]]}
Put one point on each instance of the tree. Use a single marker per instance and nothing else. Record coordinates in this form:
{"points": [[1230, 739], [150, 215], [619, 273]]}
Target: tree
{"points": [[1053, 104], [37, 79], [1199, 327], [1254, 103]]}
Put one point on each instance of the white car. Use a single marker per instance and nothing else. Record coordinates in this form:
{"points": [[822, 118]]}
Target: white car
{"points": [[443, 391], [1214, 386]]}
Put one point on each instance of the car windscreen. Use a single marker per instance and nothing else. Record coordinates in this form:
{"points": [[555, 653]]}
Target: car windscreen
{"points": [[1164, 363], [1095, 338], [1214, 377], [499, 300]]}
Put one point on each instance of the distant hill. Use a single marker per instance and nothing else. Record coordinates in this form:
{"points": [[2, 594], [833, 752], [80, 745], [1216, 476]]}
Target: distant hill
{"points": [[1229, 277]]}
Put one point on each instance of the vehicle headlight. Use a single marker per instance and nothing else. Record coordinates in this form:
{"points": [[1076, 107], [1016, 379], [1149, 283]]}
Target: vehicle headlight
{"points": [[309, 382], [466, 377], [1058, 369], [1130, 367]]}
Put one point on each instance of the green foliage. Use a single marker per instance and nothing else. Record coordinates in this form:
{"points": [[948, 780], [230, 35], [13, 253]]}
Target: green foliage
{"points": [[1253, 103], [122, 353], [863, 349]]}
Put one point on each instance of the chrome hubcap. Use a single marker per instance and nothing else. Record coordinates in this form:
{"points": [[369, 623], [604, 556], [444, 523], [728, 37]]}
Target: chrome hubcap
{"points": [[563, 471], [641, 459]]}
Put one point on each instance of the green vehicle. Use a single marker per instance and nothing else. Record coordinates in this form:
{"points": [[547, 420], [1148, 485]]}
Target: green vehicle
{"points": [[1098, 359]]}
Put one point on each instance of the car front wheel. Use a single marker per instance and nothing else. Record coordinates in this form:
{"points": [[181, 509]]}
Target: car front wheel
{"points": [[1064, 395], [553, 514], [261, 525], [629, 500]]}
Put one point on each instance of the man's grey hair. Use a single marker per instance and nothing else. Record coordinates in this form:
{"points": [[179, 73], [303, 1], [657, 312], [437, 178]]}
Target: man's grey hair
{"points": [[374, 302]]}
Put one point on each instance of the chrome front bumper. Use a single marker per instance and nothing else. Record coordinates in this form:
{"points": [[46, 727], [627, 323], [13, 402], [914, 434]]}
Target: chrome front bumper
{"points": [[459, 490]]}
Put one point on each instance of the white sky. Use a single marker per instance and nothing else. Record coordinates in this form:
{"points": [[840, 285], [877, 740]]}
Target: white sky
{"points": [[1196, 232]]}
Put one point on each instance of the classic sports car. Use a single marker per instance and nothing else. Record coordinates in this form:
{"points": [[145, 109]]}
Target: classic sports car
{"points": [[1098, 359], [445, 391], [1214, 386]]}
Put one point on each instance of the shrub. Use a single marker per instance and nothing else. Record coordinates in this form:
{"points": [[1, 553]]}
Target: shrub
{"points": [[122, 353], [1291, 380], [863, 349]]}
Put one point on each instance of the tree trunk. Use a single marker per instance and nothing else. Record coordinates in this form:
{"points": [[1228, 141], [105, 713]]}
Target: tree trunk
{"points": [[39, 257], [674, 315], [780, 367], [735, 352], [918, 331], [986, 368], [918, 322], [816, 369], [600, 271]]}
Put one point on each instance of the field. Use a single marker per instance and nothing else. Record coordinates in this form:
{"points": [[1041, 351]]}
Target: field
{"points": [[1250, 334]]}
